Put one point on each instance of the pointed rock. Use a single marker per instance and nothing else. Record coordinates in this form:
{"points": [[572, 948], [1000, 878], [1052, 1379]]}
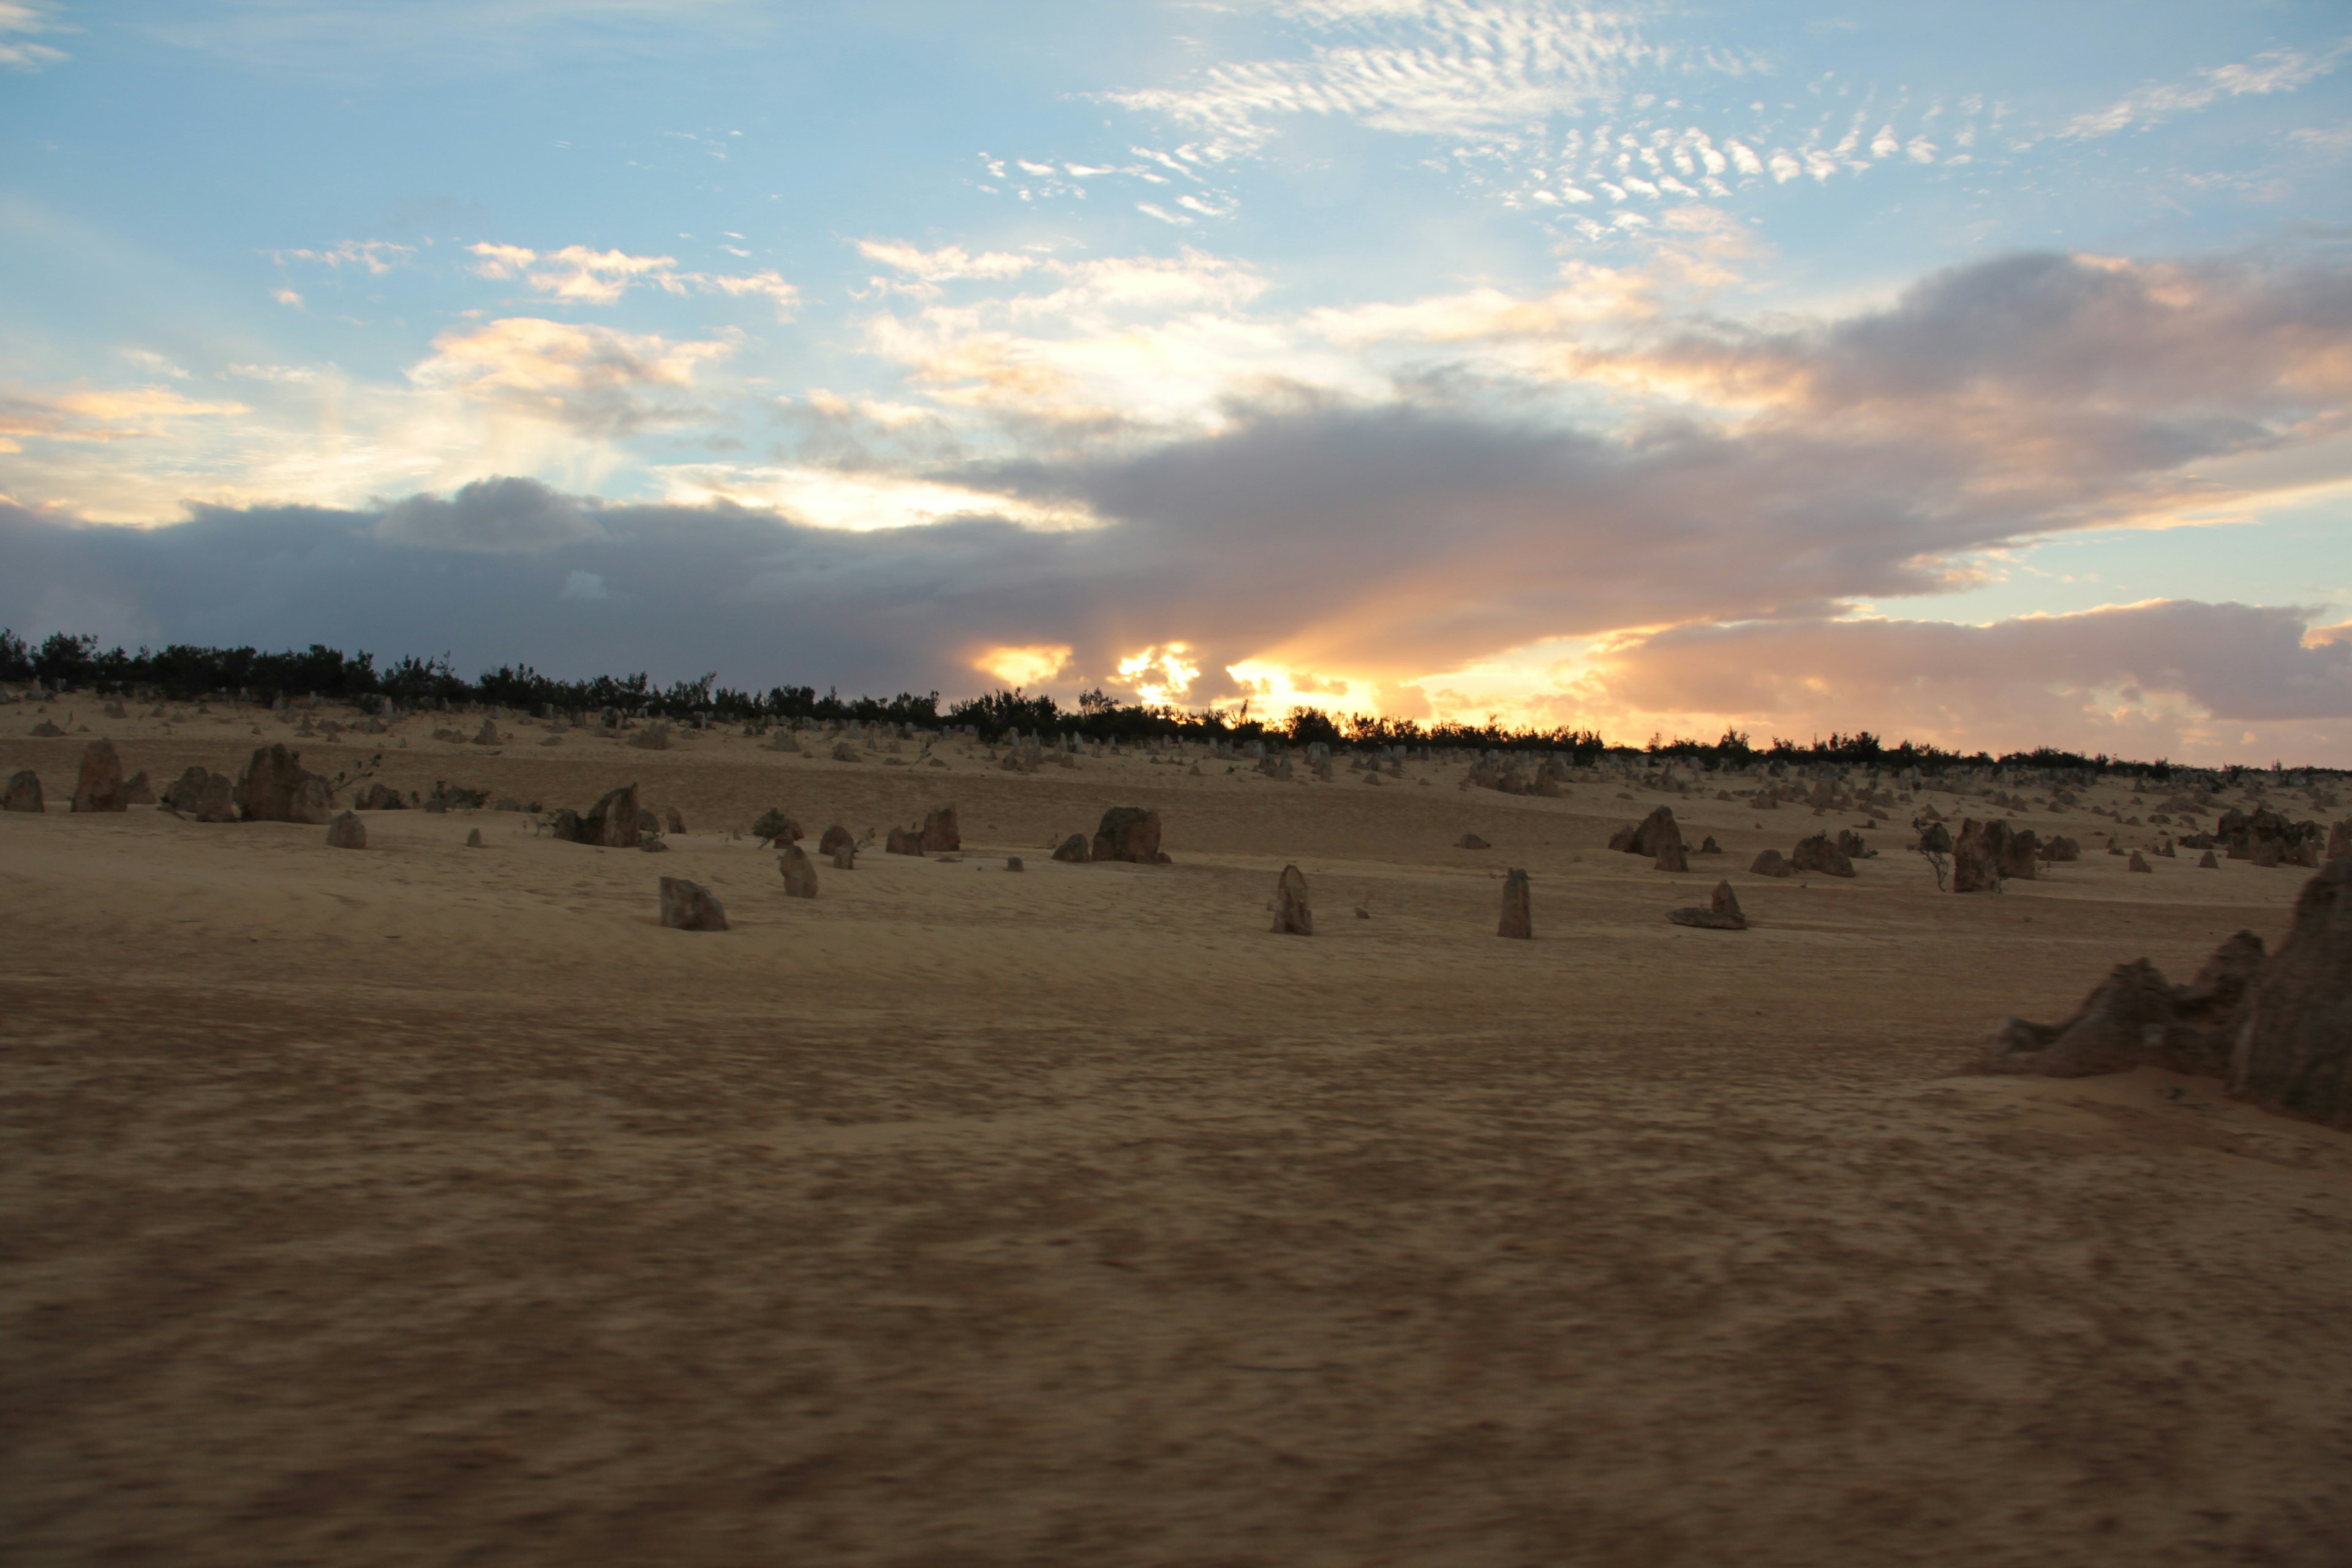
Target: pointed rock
{"points": [[1722, 913], [1074, 850], [277, 788], [1518, 920], [614, 823], [2295, 1051], [940, 835], [99, 786], [1292, 915], [1129, 834], [23, 791], [689, 906], [1770, 864], [1651, 836]]}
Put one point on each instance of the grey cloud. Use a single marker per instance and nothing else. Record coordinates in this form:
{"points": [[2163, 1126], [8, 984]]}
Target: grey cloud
{"points": [[496, 515]]}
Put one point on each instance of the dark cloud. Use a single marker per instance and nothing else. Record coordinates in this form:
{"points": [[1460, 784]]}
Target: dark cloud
{"points": [[494, 514]]}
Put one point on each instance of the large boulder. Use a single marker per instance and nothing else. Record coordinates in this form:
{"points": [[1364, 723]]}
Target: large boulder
{"points": [[614, 822], [2295, 1051], [347, 832], [23, 791], [800, 872], [1771, 863], [2017, 855], [277, 788], [99, 785], [689, 906], [1075, 851], [1650, 837], [203, 794], [2135, 1019], [1132, 834], [2244, 836], [1818, 854], [1722, 913], [940, 835], [1517, 918], [1292, 914]]}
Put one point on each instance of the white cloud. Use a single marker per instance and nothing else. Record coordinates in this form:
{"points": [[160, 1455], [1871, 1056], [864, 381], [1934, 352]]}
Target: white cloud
{"points": [[580, 276], [19, 19], [2276, 70]]}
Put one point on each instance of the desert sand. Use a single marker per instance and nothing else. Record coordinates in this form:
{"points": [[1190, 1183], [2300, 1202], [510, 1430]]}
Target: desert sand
{"points": [[429, 1203]]}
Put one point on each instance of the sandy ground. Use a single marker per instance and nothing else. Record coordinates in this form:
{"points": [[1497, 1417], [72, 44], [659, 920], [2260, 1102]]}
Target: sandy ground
{"points": [[432, 1206]]}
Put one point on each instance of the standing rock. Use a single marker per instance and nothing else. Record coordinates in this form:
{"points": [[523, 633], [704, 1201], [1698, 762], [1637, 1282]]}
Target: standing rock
{"points": [[1132, 834], [2339, 839], [1518, 920], [347, 832], [2295, 1051], [23, 791], [1979, 856], [99, 787], [612, 822], [1850, 845], [689, 906], [2017, 857], [377, 797], [567, 827], [137, 791], [1013, 862], [1710, 846], [276, 788], [1471, 841], [774, 828], [2139, 863], [800, 872], [487, 735], [1292, 916], [835, 839], [1818, 854], [1770, 864], [903, 841], [1722, 913], [2205, 862], [843, 752], [2133, 1019], [940, 834], [1651, 836], [474, 839], [1074, 850], [1672, 858], [672, 820]]}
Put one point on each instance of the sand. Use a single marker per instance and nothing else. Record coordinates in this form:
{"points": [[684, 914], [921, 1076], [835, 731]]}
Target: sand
{"points": [[428, 1205]]}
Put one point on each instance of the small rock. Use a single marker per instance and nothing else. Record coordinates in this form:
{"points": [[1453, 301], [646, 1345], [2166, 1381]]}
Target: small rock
{"points": [[23, 791], [1471, 841], [1074, 850], [1771, 864], [2139, 863], [1292, 915], [2205, 862], [347, 832], [689, 906], [474, 838], [1722, 913], [672, 820], [1518, 920], [798, 871], [1013, 862]]}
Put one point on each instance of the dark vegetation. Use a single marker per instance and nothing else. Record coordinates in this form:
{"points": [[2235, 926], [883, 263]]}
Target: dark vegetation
{"points": [[184, 673]]}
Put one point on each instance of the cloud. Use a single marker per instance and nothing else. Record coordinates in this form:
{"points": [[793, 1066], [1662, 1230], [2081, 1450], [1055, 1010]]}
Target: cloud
{"points": [[593, 379], [2275, 70], [578, 275], [19, 19], [102, 416], [375, 257], [497, 515]]}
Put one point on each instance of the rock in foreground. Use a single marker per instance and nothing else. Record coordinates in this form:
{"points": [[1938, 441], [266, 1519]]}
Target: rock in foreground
{"points": [[23, 791], [1519, 919], [347, 832], [1292, 914], [689, 906], [99, 786], [1132, 834], [2295, 1053]]}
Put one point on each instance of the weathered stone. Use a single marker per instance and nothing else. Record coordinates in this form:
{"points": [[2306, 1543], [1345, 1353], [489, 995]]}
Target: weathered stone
{"points": [[1817, 854], [45, 731], [798, 871], [203, 794], [1672, 857], [1709, 846], [844, 858], [2058, 849], [23, 791], [774, 828], [1518, 920], [835, 839], [1650, 837], [1131, 833], [347, 832], [614, 822], [843, 752], [653, 737], [1075, 851], [99, 785], [2205, 862], [2017, 855], [474, 838], [940, 835], [2139, 863], [1850, 845], [1471, 841], [567, 826], [1013, 862], [648, 823], [1722, 913], [2339, 839], [689, 906], [1980, 856], [902, 841], [2295, 1053], [277, 788], [2268, 853], [487, 735], [672, 820], [1770, 864], [137, 791], [1292, 914], [378, 796], [2133, 1019]]}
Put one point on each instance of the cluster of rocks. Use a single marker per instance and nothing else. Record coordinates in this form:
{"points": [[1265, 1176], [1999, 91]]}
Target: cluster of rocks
{"points": [[1126, 833], [1508, 775], [2277, 1029], [2269, 839]]}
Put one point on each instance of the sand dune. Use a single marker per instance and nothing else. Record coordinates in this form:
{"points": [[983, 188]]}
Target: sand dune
{"points": [[430, 1203]]}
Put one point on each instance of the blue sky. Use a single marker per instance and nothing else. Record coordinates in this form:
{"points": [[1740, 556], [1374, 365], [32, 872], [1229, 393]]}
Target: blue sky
{"points": [[1973, 374]]}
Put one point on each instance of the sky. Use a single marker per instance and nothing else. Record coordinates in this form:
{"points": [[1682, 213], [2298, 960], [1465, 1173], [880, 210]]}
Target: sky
{"points": [[1977, 374]]}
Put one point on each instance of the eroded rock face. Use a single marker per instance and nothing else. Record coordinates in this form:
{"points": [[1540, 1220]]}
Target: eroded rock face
{"points": [[277, 788], [1132, 834], [137, 791], [902, 841], [614, 822], [1722, 913], [379, 796], [940, 834], [1771, 863], [1517, 916], [2264, 837], [798, 871], [2135, 1019], [1292, 914], [2205, 862], [1819, 855], [672, 820], [1651, 836], [23, 791], [347, 832], [1710, 846], [99, 785], [1672, 858], [2059, 848], [835, 839], [689, 906], [2294, 1052], [1074, 850]]}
